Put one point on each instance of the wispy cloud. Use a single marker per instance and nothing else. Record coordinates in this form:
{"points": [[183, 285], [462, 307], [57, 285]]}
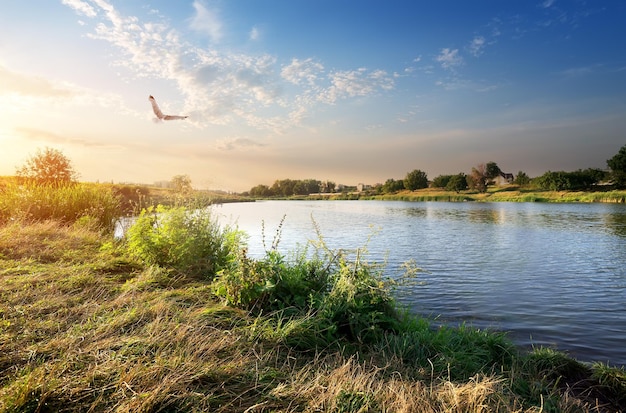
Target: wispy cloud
{"points": [[351, 83], [206, 21], [306, 71], [547, 4], [579, 71], [254, 34], [13, 82], [80, 7], [238, 143], [34, 134], [449, 58], [477, 46], [220, 86]]}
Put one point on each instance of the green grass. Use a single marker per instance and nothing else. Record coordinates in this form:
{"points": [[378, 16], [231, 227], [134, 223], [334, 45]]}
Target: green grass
{"points": [[90, 203], [509, 193], [87, 324]]}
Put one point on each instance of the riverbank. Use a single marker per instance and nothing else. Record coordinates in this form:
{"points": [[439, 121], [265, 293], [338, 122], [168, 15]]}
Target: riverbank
{"points": [[87, 325], [509, 193]]}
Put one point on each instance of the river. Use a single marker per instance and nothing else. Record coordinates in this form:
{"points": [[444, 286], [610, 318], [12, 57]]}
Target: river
{"points": [[547, 274]]}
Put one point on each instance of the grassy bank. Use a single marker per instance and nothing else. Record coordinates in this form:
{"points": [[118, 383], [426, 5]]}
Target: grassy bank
{"points": [[100, 203], [510, 193], [176, 317]]}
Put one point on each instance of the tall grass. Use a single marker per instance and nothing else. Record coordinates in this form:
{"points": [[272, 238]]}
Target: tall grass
{"points": [[86, 324], [89, 203]]}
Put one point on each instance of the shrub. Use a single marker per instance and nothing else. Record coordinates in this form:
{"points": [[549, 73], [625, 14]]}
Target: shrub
{"points": [[349, 299], [189, 241]]}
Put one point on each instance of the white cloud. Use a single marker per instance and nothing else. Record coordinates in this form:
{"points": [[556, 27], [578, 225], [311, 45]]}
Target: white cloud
{"points": [[80, 7], [477, 46], [220, 87], [449, 59], [352, 83], [206, 21], [547, 4], [302, 71], [255, 34]]}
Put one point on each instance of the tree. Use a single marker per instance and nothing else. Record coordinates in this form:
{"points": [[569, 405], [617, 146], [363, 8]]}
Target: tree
{"points": [[181, 184], [261, 191], [521, 179], [492, 170], [416, 179], [618, 167], [48, 167], [327, 187], [567, 181], [392, 185], [478, 178], [442, 181], [457, 183]]}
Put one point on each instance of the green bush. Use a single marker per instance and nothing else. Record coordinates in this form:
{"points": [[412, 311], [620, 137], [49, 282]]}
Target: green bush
{"points": [[349, 299], [189, 241]]}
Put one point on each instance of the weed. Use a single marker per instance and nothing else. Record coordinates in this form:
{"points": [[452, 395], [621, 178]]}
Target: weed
{"points": [[190, 241]]}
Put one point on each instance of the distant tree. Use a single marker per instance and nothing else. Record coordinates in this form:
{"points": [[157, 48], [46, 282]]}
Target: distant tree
{"points": [[415, 179], [392, 185], [327, 187], [48, 167], [261, 191], [283, 187], [618, 167], [478, 178], [312, 186], [521, 179], [441, 181], [181, 184], [492, 170], [457, 183], [567, 181]]}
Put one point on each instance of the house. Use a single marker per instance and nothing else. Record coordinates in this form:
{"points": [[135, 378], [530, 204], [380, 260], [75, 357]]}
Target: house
{"points": [[506, 178]]}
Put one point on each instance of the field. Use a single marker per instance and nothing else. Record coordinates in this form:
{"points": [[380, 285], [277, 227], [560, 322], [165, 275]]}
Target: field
{"points": [[176, 317], [510, 193]]}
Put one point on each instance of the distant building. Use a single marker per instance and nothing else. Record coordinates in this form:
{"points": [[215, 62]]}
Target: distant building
{"points": [[505, 178], [363, 187]]}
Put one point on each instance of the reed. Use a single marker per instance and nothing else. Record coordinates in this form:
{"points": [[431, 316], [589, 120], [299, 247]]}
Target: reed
{"points": [[90, 204]]}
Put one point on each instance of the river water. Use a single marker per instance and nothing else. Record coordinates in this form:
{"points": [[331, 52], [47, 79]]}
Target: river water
{"points": [[547, 274]]}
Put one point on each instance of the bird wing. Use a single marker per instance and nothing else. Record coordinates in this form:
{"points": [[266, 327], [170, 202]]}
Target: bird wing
{"points": [[174, 117], [155, 108]]}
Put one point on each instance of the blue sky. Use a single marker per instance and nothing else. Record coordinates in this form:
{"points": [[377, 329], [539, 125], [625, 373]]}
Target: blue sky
{"points": [[347, 91]]}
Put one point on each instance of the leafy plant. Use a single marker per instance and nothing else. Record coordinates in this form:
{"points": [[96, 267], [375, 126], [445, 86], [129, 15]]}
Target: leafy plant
{"points": [[186, 240]]}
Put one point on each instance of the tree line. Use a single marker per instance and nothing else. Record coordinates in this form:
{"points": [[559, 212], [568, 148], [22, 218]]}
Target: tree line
{"points": [[479, 179], [51, 167]]}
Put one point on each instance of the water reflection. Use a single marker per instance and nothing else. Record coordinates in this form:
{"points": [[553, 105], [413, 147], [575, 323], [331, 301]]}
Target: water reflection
{"points": [[548, 273]]}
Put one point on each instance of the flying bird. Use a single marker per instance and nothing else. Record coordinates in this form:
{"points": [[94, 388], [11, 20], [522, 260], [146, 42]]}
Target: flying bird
{"points": [[160, 114]]}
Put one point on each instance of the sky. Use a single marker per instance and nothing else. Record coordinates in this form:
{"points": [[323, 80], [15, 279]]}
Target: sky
{"points": [[345, 91]]}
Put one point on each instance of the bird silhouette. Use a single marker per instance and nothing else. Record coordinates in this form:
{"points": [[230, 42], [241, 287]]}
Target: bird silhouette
{"points": [[160, 114]]}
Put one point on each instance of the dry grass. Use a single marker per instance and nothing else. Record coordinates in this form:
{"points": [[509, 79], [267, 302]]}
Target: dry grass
{"points": [[83, 328]]}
